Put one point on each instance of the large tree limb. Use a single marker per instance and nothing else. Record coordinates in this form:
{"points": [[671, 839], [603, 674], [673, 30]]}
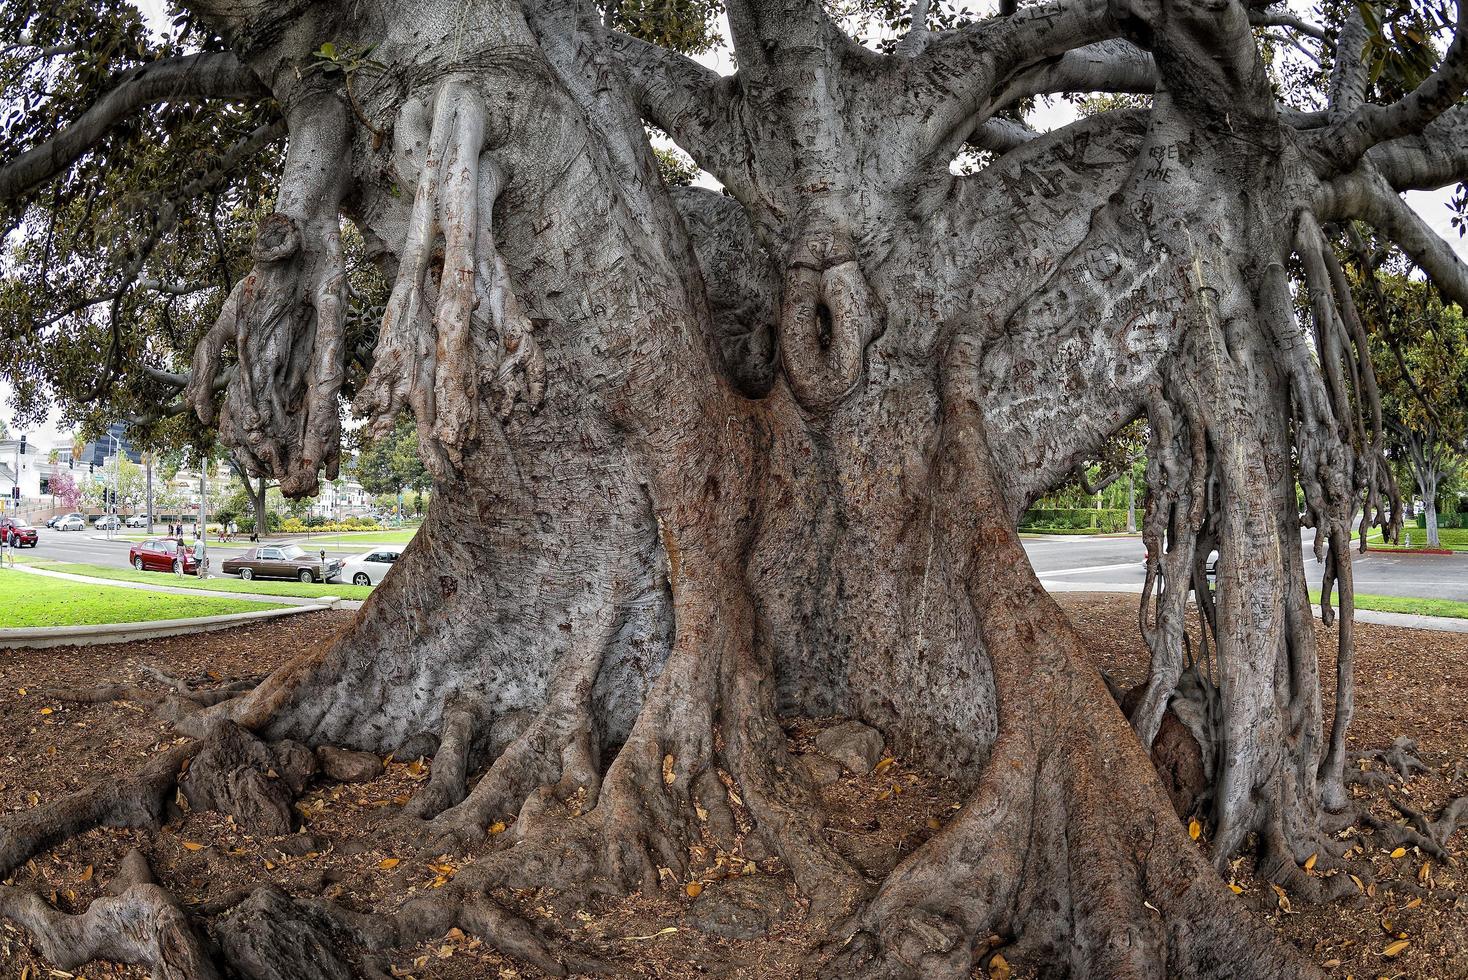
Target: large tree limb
{"points": [[1371, 198], [212, 75], [962, 68], [1340, 146], [1431, 159], [678, 95], [1281, 17], [1106, 66]]}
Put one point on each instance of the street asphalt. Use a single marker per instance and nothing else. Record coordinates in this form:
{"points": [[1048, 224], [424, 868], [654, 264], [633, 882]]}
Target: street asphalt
{"points": [[1079, 560], [1073, 561]]}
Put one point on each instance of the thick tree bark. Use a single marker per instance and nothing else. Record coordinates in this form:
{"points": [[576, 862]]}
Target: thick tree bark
{"points": [[704, 460]]}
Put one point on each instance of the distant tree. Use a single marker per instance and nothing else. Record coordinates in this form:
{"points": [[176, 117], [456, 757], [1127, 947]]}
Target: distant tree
{"points": [[65, 491], [390, 464], [1422, 349]]}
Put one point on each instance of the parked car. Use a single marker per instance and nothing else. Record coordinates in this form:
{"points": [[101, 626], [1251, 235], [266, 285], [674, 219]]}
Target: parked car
{"points": [[51, 521], [18, 533], [369, 567], [163, 555], [72, 522], [108, 522], [282, 561], [137, 520]]}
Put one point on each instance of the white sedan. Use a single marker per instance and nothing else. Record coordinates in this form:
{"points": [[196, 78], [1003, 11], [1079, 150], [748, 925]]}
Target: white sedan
{"points": [[369, 567]]}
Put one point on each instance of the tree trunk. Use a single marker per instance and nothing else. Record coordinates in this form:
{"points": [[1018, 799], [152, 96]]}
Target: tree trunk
{"points": [[701, 461]]}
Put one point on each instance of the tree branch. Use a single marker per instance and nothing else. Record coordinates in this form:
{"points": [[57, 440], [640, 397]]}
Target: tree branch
{"points": [[1371, 198], [1106, 66], [679, 96], [1436, 157], [1341, 145], [1281, 17], [960, 71], [215, 75]]}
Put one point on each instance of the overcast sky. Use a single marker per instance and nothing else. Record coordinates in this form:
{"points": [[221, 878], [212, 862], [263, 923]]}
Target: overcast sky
{"points": [[1432, 205]]}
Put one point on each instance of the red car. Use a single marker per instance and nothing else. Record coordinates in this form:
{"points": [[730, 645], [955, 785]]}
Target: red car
{"points": [[163, 555], [19, 535]]}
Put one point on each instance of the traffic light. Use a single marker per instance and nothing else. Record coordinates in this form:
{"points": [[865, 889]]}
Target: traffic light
{"points": [[22, 445], [92, 468], [15, 493]]}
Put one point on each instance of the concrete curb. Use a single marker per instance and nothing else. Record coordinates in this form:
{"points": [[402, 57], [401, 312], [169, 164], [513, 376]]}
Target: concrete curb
{"points": [[328, 601], [95, 635], [1436, 624]]}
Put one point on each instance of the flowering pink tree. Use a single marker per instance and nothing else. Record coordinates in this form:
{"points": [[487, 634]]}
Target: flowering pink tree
{"points": [[64, 489]]}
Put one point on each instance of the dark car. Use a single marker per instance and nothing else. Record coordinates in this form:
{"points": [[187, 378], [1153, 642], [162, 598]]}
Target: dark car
{"points": [[163, 555], [20, 535], [282, 561]]}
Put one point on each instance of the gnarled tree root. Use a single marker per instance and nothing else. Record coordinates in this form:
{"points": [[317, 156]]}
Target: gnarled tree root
{"points": [[138, 801], [137, 923]]}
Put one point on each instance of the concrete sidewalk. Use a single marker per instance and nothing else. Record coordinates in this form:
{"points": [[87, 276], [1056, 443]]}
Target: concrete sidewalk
{"points": [[323, 602], [1439, 624]]}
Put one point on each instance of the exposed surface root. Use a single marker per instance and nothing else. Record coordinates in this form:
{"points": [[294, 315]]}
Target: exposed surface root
{"points": [[1429, 834], [136, 802], [138, 923], [1401, 757]]}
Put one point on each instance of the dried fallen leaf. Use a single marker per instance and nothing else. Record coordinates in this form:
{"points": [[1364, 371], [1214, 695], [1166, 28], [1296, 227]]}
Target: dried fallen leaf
{"points": [[498, 827], [87, 874], [191, 846], [1235, 889], [886, 761], [1331, 964], [387, 864], [1413, 904], [668, 774], [1359, 883], [46, 711], [1310, 862], [1424, 872], [1399, 852], [666, 931], [1195, 829], [934, 823], [22, 694], [694, 889], [1395, 949], [998, 967]]}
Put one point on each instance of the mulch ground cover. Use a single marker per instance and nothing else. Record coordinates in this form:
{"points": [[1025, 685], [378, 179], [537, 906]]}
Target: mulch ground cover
{"points": [[352, 845]]}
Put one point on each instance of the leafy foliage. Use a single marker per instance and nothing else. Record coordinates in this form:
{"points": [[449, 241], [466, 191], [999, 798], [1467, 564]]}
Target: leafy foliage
{"points": [[390, 464]]}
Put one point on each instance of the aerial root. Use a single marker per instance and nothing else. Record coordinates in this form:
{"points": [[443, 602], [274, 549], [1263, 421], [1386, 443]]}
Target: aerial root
{"points": [[138, 923], [453, 307]]}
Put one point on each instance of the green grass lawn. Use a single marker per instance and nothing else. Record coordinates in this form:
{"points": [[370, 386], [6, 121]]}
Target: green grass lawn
{"points": [[1452, 538], [218, 584], [34, 600], [1445, 608]]}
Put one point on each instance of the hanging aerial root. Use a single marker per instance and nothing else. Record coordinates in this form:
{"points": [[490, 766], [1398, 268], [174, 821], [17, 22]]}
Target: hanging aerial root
{"points": [[137, 923], [286, 320], [452, 323]]}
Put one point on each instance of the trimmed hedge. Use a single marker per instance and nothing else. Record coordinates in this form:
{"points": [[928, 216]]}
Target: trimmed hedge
{"points": [[1073, 519]]}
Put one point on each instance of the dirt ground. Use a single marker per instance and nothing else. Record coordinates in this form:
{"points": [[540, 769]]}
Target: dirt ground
{"points": [[352, 845]]}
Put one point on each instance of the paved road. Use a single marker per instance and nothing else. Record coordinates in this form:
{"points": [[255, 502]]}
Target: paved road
{"points": [[1074, 560], [93, 548], [1078, 560]]}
